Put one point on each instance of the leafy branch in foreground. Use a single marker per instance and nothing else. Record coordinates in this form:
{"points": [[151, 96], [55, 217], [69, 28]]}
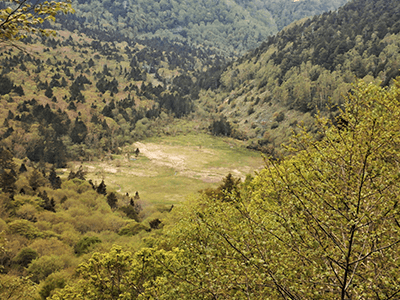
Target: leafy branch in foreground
{"points": [[24, 16], [321, 224]]}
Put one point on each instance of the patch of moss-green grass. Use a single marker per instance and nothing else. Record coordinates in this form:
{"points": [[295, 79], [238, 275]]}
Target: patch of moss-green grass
{"points": [[170, 168]]}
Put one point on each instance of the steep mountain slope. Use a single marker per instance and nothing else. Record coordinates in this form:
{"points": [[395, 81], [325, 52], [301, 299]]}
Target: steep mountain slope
{"points": [[75, 97], [106, 94], [322, 222], [305, 67], [231, 27]]}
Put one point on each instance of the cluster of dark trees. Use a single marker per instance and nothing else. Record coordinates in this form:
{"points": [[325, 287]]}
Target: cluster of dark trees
{"points": [[229, 28], [173, 95], [350, 42], [7, 86], [38, 177], [332, 35], [46, 143], [172, 102]]}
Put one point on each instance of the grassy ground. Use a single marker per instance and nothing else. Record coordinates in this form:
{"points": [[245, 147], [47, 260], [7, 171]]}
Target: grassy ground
{"points": [[168, 169]]}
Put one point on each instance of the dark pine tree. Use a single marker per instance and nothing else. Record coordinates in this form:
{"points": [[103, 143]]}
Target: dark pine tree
{"points": [[101, 189], [22, 168], [49, 92], [78, 132], [48, 204], [55, 180], [112, 200], [35, 179]]}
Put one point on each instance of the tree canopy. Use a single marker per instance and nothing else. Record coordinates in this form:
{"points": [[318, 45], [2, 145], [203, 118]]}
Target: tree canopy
{"points": [[321, 224], [306, 67], [24, 16], [230, 27]]}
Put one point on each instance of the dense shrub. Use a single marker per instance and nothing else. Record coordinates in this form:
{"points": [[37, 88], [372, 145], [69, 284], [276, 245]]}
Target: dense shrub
{"points": [[132, 229], [84, 244], [25, 229], [25, 257]]}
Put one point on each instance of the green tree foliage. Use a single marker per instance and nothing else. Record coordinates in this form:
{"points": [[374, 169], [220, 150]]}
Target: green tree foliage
{"points": [[231, 28], [84, 244], [43, 242], [52, 282], [131, 211], [21, 17], [320, 224], [44, 266], [25, 257], [120, 274], [132, 229], [24, 228], [15, 287], [328, 209]]}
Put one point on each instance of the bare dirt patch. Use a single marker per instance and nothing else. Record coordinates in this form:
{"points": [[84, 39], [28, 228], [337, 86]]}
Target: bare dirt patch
{"points": [[158, 156], [188, 161], [168, 170]]}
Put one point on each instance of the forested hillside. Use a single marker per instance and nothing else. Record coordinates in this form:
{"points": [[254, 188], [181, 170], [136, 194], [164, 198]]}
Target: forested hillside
{"points": [[72, 97], [307, 67], [320, 221], [322, 224], [129, 90], [48, 225], [228, 27]]}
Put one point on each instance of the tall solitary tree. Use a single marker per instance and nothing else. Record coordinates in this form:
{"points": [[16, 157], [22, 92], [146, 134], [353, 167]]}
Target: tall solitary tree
{"points": [[102, 188]]}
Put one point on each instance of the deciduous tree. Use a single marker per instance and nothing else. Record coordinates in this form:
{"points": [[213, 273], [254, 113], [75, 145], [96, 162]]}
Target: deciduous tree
{"points": [[24, 16]]}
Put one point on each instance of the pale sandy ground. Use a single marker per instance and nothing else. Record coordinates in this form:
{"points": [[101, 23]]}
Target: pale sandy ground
{"points": [[163, 159], [187, 161]]}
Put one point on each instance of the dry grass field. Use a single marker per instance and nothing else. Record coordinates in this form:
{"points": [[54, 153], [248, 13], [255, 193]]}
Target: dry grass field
{"points": [[169, 169]]}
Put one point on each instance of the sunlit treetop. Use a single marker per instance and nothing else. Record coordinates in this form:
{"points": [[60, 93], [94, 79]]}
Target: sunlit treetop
{"points": [[23, 16]]}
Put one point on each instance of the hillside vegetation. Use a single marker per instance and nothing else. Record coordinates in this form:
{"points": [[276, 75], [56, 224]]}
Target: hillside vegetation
{"points": [[321, 224], [124, 172], [48, 225], [129, 91], [305, 68], [85, 97], [228, 27], [52, 220]]}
